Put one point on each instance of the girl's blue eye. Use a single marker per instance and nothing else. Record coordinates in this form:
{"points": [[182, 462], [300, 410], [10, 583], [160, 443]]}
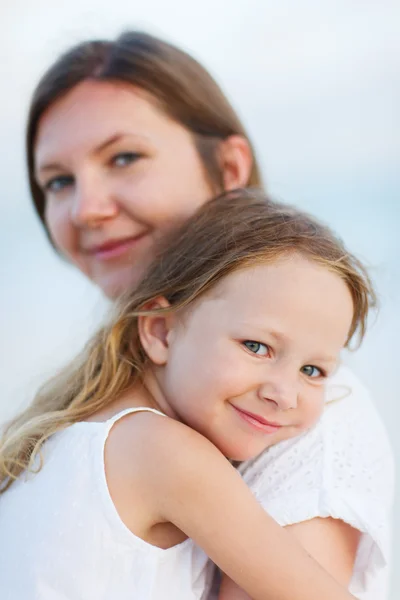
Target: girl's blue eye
{"points": [[56, 184], [256, 347], [125, 158], [311, 371]]}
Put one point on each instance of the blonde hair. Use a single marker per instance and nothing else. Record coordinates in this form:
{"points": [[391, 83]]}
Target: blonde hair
{"points": [[236, 230]]}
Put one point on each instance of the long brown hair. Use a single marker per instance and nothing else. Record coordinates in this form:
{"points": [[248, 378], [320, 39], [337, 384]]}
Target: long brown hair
{"points": [[237, 230], [180, 86]]}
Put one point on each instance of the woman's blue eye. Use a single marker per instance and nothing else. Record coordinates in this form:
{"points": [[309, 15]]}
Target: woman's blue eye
{"points": [[58, 183], [125, 158], [256, 347], [311, 371]]}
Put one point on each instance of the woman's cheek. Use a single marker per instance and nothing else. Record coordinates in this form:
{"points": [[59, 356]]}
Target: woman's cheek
{"points": [[64, 235], [58, 222]]}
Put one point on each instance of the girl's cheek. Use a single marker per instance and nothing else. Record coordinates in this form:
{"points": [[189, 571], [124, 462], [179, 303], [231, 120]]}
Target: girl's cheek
{"points": [[315, 410]]}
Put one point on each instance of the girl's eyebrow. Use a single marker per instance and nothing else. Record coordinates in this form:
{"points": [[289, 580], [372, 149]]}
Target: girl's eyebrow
{"points": [[282, 337], [332, 360]]}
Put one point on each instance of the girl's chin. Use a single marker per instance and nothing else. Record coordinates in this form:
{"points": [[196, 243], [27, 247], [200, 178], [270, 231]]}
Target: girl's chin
{"points": [[239, 455]]}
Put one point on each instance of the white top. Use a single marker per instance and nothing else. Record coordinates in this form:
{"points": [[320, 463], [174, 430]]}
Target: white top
{"points": [[342, 468], [61, 537]]}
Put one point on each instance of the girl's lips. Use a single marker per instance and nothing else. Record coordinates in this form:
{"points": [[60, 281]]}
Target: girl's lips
{"points": [[114, 248], [257, 421]]}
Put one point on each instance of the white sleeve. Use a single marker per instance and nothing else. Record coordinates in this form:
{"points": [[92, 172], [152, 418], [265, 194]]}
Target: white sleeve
{"points": [[341, 468]]}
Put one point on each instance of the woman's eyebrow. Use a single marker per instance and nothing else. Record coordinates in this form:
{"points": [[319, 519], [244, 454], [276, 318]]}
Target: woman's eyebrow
{"points": [[108, 142], [47, 167], [55, 166], [116, 137]]}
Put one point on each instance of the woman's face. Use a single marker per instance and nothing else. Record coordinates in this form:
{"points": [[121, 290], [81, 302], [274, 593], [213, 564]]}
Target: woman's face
{"points": [[117, 173]]}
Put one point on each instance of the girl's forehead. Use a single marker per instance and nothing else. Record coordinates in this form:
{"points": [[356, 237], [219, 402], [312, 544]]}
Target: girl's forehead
{"points": [[290, 283], [261, 273], [294, 297]]}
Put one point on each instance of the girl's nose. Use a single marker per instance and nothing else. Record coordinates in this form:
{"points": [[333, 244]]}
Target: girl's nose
{"points": [[281, 387]]}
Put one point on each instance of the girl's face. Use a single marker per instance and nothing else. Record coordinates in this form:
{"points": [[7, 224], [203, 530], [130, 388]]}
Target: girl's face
{"points": [[116, 173], [247, 365]]}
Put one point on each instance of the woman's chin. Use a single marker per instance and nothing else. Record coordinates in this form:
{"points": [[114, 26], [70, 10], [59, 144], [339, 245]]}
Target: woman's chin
{"points": [[118, 282]]}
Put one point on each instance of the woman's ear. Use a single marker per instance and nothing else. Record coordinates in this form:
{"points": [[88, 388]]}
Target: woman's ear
{"points": [[154, 330], [236, 162]]}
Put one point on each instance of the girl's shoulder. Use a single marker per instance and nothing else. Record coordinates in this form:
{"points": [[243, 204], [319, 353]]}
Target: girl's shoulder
{"points": [[152, 452], [157, 436]]}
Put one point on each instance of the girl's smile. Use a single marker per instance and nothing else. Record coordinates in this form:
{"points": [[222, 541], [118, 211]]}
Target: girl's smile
{"points": [[257, 421], [246, 365]]}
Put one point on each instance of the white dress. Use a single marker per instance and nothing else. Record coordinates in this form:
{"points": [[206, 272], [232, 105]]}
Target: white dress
{"points": [[61, 537], [341, 468]]}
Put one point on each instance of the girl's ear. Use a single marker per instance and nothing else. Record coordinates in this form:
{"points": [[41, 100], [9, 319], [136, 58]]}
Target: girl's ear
{"points": [[236, 162], [154, 331]]}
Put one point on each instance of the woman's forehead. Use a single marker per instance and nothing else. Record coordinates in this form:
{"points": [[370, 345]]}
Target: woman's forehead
{"points": [[94, 111]]}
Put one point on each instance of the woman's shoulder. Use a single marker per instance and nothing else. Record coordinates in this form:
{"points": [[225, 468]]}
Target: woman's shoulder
{"points": [[344, 383], [341, 468], [351, 423], [347, 450]]}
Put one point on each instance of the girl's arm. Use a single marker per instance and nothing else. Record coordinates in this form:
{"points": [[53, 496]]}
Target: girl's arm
{"points": [[195, 487], [331, 542], [351, 480]]}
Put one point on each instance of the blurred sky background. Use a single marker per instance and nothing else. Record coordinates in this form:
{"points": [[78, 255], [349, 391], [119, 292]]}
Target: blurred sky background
{"points": [[317, 84]]}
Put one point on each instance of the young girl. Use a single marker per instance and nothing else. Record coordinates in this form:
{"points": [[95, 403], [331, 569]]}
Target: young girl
{"points": [[116, 475]]}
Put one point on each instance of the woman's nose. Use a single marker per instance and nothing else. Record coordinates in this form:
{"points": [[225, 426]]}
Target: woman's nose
{"points": [[92, 203]]}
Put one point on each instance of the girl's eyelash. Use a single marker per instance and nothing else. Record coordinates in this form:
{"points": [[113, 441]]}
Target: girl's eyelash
{"points": [[253, 346], [322, 373]]}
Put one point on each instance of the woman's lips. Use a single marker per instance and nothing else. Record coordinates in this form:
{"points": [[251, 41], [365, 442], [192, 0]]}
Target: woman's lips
{"points": [[257, 421], [114, 248]]}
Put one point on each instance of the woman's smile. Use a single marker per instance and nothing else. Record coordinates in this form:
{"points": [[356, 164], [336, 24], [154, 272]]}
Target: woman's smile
{"points": [[114, 248]]}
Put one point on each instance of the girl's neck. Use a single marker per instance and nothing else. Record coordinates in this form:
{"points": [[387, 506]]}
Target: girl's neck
{"points": [[146, 393]]}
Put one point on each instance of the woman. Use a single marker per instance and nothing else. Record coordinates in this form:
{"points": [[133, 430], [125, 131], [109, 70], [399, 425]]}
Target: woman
{"points": [[125, 140]]}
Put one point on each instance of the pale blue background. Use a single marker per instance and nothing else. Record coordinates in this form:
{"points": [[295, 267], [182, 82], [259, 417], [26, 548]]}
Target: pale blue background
{"points": [[316, 82]]}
